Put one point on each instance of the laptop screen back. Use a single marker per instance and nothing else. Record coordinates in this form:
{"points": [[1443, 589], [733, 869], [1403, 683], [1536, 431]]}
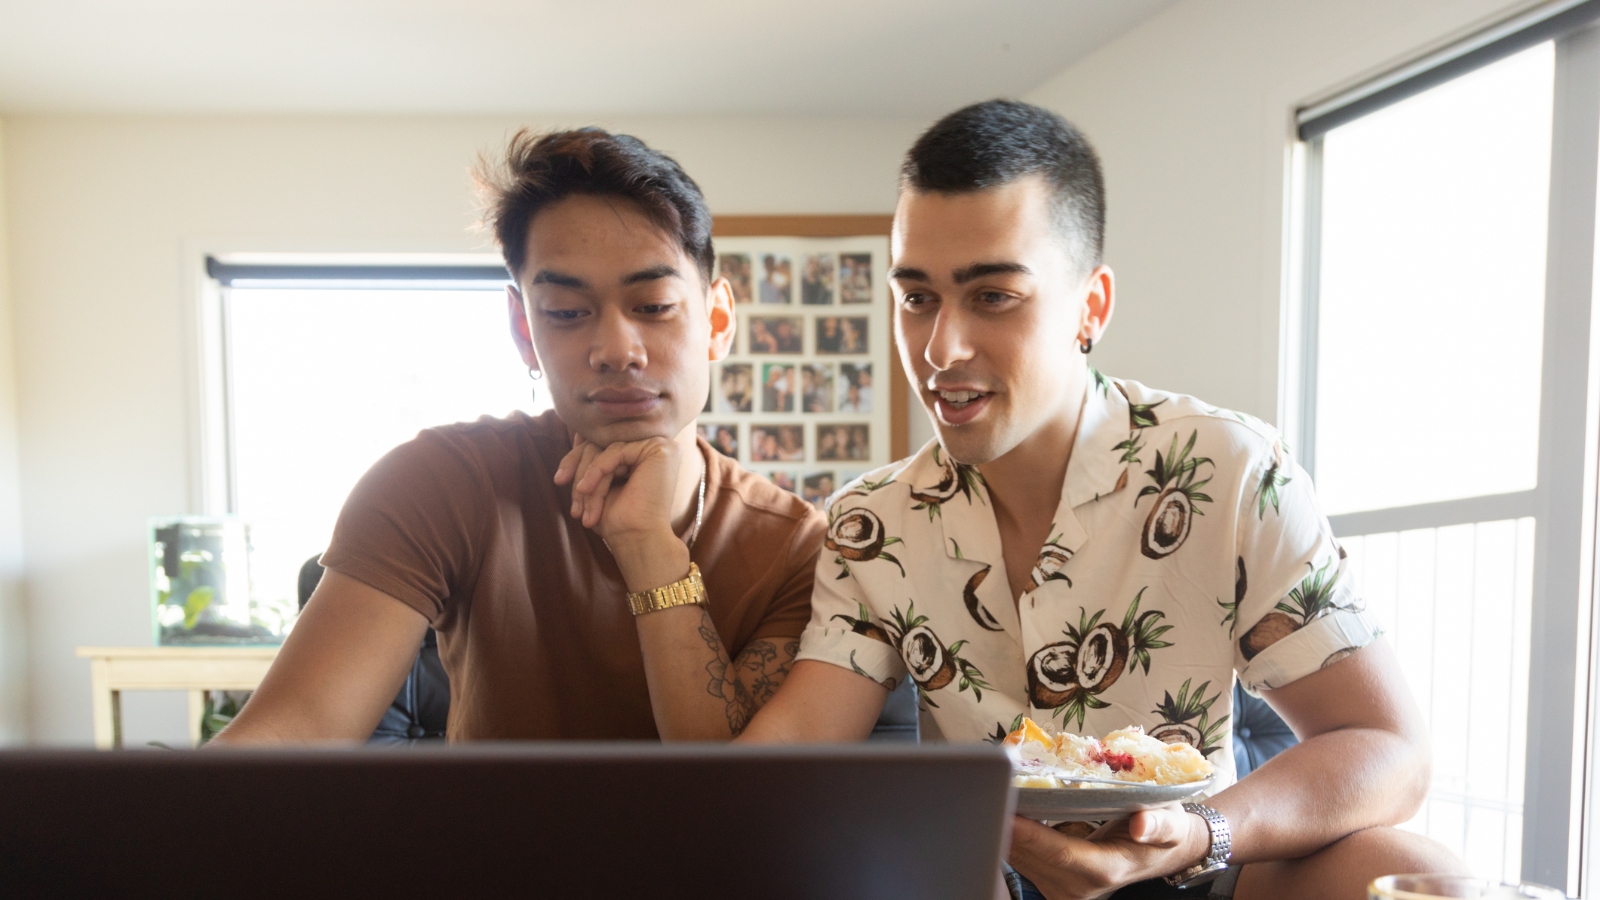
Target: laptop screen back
{"points": [[545, 820]]}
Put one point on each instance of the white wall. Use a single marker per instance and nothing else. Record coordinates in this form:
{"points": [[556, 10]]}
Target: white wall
{"points": [[13, 618], [101, 210], [1191, 112]]}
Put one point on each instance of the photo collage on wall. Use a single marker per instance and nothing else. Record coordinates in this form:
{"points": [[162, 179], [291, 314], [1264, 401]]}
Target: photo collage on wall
{"points": [[803, 397]]}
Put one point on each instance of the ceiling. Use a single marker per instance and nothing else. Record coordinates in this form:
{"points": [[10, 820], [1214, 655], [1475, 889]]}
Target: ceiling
{"points": [[594, 57]]}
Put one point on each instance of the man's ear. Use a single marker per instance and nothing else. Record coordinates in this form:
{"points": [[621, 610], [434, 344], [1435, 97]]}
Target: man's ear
{"points": [[724, 323], [1099, 301], [521, 335]]}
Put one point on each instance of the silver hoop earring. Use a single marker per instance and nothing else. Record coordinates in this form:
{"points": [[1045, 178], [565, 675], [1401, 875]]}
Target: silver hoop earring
{"points": [[535, 374]]}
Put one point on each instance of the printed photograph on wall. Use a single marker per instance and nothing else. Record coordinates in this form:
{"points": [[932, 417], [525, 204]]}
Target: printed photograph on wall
{"points": [[725, 438], [841, 334], [777, 443], [816, 280], [735, 388], [777, 276], [774, 334], [777, 387], [817, 488], [816, 388], [855, 387], [793, 401], [736, 268], [841, 441], [855, 278]]}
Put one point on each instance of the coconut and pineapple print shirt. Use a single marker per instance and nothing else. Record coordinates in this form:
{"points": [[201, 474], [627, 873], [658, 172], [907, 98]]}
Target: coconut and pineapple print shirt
{"points": [[1187, 547]]}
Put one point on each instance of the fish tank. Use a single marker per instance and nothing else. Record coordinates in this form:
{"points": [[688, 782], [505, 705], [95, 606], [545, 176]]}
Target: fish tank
{"points": [[200, 587]]}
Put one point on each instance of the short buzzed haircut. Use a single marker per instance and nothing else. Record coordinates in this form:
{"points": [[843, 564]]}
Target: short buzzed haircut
{"points": [[539, 170], [996, 142]]}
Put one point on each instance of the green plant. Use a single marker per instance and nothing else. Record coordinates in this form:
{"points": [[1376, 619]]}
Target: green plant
{"points": [[194, 586], [218, 713]]}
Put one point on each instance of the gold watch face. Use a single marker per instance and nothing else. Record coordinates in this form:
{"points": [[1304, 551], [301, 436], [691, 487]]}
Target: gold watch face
{"points": [[687, 590]]}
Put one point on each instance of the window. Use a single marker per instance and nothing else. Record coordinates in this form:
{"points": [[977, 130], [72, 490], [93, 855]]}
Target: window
{"points": [[1444, 407], [1432, 287], [1431, 266], [326, 374]]}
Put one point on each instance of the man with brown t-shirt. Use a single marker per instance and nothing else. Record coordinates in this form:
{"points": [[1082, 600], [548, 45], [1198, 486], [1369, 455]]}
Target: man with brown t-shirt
{"points": [[595, 572]]}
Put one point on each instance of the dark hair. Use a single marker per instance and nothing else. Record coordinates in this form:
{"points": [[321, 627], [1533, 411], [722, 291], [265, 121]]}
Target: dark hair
{"points": [[541, 169], [998, 141]]}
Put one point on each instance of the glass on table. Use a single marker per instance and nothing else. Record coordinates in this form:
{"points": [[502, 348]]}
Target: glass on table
{"points": [[1428, 887]]}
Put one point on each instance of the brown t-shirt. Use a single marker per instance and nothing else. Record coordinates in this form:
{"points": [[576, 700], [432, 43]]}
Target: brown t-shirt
{"points": [[465, 524]]}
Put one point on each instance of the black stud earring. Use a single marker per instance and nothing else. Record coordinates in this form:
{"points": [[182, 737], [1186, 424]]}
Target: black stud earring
{"points": [[1086, 345]]}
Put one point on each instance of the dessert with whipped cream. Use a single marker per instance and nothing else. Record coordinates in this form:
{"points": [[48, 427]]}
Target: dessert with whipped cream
{"points": [[1041, 757]]}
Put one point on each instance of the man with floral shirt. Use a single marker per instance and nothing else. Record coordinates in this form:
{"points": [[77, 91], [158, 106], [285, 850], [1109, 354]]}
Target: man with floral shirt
{"points": [[1093, 553]]}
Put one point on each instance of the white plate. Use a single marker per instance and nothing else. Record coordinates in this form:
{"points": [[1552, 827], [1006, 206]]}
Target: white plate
{"points": [[1098, 804]]}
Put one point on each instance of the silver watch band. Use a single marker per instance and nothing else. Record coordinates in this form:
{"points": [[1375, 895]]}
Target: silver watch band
{"points": [[1216, 858]]}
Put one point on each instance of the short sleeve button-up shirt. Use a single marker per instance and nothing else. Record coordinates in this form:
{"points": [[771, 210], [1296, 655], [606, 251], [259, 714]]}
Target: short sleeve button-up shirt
{"points": [[1187, 546]]}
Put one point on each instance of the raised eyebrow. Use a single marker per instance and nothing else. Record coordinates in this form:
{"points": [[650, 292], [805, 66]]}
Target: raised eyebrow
{"points": [[559, 279], [979, 270], [651, 274], [906, 273]]}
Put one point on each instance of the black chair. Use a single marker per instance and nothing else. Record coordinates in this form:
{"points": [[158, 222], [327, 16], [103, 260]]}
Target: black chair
{"points": [[422, 708], [898, 721], [1259, 734]]}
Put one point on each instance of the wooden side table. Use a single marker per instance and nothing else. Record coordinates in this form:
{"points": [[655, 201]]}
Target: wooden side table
{"points": [[197, 670]]}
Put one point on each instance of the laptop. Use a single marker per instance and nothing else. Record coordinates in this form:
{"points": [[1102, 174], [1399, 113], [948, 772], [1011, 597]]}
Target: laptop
{"points": [[567, 820]]}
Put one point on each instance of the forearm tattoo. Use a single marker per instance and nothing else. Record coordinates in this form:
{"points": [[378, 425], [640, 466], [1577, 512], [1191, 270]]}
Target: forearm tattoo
{"points": [[747, 683]]}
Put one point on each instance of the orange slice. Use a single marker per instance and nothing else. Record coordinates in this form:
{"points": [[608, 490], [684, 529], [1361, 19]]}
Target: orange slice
{"points": [[1030, 731]]}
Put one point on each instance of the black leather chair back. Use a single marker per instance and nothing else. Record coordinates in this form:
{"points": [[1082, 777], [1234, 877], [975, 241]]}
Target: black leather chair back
{"points": [[898, 721], [1259, 734], [422, 708]]}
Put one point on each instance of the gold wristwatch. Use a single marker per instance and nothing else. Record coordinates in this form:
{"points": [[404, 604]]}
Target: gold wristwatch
{"points": [[688, 589]]}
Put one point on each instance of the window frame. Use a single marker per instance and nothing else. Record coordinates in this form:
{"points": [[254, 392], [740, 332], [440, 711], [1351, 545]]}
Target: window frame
{"points": [[213, 481], [1560, 772]]}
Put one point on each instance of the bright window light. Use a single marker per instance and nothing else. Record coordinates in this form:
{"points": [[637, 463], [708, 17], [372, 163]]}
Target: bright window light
{"points": [[1432, 292], [324, 382], [1430, 325]]}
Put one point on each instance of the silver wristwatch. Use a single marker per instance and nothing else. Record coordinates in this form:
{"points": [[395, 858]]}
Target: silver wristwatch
{"points": [[1216, 860]]}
